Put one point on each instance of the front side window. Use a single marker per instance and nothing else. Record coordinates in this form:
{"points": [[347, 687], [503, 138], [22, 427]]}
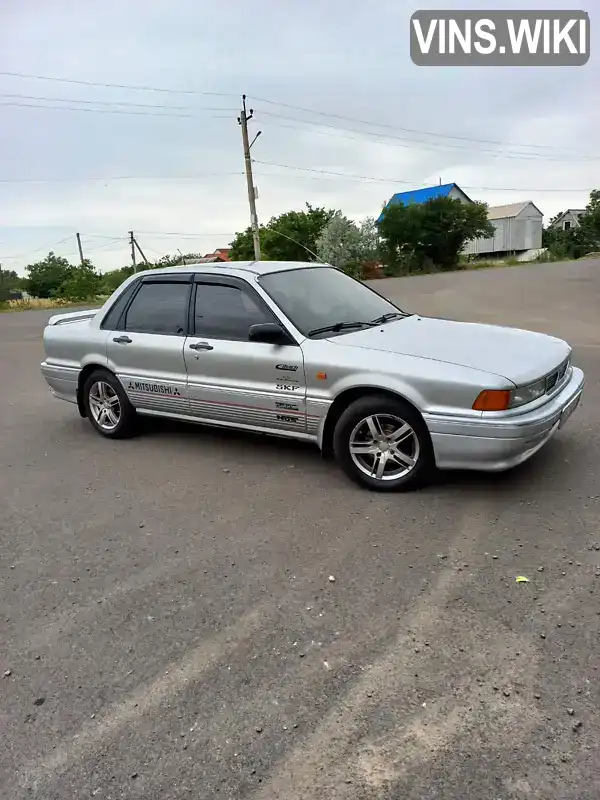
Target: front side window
{"points": [[159, 308], [226, 312], [318, 297]]}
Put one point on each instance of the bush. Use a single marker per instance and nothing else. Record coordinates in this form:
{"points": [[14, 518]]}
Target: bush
{"points": [[354, 269]]}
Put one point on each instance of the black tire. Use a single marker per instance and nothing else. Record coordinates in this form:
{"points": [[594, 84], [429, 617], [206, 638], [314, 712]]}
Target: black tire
{"points": [[415, 447], [126, 425]]}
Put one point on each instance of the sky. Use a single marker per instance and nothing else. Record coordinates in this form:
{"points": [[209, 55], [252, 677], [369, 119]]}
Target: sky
{"points": [[333, 91]]}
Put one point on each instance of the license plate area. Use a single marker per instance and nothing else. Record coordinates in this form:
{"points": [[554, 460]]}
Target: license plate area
{"points": [[568, 410]]}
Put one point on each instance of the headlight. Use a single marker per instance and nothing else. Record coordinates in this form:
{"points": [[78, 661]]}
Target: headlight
{"points": [[504, 399], [527, 394]]}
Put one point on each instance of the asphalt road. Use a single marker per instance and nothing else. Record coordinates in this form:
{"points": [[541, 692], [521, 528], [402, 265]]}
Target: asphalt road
{"points": [[171, 631]]}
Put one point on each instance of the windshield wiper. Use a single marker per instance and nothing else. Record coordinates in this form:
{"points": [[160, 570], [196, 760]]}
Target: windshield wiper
{"points": [[340, 326], [389, 316]]}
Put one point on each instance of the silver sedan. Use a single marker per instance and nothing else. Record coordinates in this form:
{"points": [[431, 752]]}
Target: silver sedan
{"points": [[304, 351]]}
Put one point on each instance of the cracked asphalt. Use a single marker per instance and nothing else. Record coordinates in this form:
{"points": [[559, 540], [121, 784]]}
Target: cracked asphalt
{"points": [[169, 630]]}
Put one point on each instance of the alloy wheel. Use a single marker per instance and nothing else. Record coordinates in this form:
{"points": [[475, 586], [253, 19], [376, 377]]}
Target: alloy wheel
{"points": [[105, 405], [384, 447]]}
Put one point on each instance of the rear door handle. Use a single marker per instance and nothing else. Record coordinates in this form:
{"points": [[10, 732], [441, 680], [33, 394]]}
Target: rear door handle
{"points": [[122, 340], [201, 346]]}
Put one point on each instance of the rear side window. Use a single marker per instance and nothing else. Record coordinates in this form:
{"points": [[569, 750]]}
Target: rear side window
{"points": [[159, 308], [111, 320], [225, 312]]}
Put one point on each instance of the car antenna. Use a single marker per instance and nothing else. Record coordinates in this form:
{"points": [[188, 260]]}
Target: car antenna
{"points": [[308, 250]]}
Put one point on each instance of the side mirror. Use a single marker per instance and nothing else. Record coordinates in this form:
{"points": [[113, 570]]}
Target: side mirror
{"points": [[268, 332]]}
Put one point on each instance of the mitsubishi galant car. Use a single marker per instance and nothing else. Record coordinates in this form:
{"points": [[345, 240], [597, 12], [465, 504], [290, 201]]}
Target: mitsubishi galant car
{"points": [[302, 350]]}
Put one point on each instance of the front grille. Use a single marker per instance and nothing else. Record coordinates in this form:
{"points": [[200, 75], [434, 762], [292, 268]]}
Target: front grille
{"points": [[555, 378]]}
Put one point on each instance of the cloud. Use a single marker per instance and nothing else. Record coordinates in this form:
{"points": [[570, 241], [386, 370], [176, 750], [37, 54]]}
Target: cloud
{"points": [[345, 60]]}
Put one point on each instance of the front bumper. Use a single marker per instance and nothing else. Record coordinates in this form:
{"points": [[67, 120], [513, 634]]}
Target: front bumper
{"points": [[496, 444]]}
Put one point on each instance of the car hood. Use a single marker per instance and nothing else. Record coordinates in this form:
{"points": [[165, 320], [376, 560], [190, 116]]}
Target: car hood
{"points": [[518, 355]]}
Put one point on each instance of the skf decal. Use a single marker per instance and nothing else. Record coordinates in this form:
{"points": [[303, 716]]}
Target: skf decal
{"points": [[287, 384], [153, 388], [285, 418], [287, 367], [287, 406]]}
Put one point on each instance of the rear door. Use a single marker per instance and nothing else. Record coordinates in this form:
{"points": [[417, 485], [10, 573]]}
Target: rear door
{"points": [[231, 379], [145, 344]]}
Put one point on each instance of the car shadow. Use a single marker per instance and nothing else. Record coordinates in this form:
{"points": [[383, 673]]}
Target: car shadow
{"points": [[543, 469], [225, 437]]}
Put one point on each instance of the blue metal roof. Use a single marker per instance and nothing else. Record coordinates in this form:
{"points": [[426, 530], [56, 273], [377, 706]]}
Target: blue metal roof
{"points": [[422, 195]]}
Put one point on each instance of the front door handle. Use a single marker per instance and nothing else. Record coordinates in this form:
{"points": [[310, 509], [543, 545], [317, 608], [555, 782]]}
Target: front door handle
{"points": [[201, 346], [122, 340]]}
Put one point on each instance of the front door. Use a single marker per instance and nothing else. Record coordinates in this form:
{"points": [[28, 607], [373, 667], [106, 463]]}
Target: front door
{"points": [[145, 350], [231, 379]]}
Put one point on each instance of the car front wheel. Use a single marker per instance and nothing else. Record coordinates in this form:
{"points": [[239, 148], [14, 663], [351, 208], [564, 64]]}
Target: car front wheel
{"points": [[107, 406], [383, 444]]}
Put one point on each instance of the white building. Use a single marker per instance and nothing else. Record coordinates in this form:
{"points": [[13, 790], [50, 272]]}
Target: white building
{"points": [[568, 219], [518, 228]]}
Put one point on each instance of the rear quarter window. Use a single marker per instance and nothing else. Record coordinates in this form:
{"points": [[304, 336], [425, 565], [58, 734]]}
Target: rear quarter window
{"points": [[111, 320]]}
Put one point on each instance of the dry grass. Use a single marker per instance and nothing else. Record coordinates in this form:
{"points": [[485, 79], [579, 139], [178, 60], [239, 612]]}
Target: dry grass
{"points": [[36, 303]]}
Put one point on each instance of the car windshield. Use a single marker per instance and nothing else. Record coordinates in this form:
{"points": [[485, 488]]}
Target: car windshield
{"points": [[323, 300]]}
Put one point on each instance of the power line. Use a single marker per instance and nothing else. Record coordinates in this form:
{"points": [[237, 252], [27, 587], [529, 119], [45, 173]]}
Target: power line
{"points": [[123, 241], [183, 235], [368, 178], [123, 178], [101, 236], [384, 140], [113, 103], [115, 85], [280, 104], [422, 144], [109, 111], [381, 138], [119, 239], [39, 249], [405, 130]]}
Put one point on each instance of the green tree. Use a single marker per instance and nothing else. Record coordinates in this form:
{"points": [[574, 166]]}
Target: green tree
{"points": [[347, 245], [242, 247], [432, 234], [9, 279], [177, 260], [369, 236], [111, 280], [82, 284], [44, 278], [400, 228], [589, 221], [577, 241], [289, 237], [564, 244], [10, 283], [340, 241]]}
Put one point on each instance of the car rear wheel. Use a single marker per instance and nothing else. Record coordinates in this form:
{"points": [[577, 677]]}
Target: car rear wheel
{"points": [[383, 444], [108, 407]]}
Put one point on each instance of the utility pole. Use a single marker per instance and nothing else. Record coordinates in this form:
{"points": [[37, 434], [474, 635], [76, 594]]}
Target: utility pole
{"points": [[140, 251], [132, 243], [80, 248], [243, 122]]}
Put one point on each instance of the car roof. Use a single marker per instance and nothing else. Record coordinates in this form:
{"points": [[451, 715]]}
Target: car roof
{"points": [[235, 268]]}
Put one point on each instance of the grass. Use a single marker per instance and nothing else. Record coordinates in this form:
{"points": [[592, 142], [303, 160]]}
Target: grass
{"points": [[37, 303]]}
